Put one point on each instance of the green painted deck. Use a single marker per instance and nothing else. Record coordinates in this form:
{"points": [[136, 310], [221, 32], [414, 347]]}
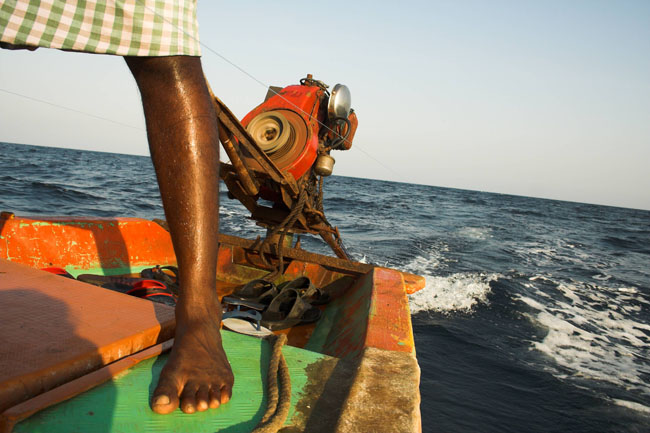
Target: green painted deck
{"points": [[122, 404]]}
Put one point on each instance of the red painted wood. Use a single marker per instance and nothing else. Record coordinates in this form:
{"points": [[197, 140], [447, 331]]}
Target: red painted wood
{"points": [[54, 329]]}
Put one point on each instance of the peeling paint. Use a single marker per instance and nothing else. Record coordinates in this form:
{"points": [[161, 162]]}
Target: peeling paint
{"points": [[86, 243]]}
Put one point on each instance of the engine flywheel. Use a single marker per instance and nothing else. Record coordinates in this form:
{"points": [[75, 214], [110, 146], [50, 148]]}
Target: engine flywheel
{"points": [[282, 135]]}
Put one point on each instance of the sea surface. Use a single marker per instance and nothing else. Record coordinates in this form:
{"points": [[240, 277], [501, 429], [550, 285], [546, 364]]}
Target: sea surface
{"points": [[536, 313]]}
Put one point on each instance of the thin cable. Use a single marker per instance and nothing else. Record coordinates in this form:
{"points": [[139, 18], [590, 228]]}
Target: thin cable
{"points": [[72, 109], [225, 59], [266, 86], [141, 129]]}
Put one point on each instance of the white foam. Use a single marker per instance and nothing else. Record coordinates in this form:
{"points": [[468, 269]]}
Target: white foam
{"points": [[423, 265], [592, 332], [430, 259], [457, 292], [601, 277], [632, 405], [628, 290], [234, 219], [477, 233], [552, 252]]}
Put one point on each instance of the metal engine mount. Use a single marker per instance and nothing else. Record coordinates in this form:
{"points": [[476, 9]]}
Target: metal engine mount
{"points": [[280, 152]]}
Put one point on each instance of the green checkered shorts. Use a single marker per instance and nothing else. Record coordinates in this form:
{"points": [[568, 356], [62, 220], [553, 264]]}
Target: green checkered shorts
{"points": [[121, 27]]}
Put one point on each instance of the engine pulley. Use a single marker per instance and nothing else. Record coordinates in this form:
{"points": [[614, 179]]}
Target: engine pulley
{"points": [[272, 131], [283, 136]]}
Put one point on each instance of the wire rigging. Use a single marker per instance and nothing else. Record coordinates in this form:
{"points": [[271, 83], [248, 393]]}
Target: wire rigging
{"points": [[31, 98], [266, 86], [228, 61]]}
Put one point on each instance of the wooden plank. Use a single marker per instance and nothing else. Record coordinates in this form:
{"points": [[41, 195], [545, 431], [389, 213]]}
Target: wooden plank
{"points": [[55, 329]]}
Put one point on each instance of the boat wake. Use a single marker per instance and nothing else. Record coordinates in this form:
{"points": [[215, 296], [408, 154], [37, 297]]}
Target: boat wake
{"points": [[594, 332], [638, 407], [454, 293], [459, 292]]}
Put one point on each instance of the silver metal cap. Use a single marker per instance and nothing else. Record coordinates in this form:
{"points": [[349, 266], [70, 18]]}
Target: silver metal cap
{"points": [[340, 102]]}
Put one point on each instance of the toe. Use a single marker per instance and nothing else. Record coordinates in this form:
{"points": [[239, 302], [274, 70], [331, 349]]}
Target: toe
{"points": [[226, 393], [188, 398], [202, 398], [215, 396], [165, 398]]}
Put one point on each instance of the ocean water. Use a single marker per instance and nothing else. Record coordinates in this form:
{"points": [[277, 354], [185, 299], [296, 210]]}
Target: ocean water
{"points": [[536, 313]]}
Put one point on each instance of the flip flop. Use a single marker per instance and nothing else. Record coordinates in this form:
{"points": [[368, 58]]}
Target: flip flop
{"points": [[259, 291], [307, 290], [58, 271], [112, 282], [157, 273], [238, 303], [289, 309], [147, 286], [243, 321], [242, 326], [161, 298], [153, 290]]}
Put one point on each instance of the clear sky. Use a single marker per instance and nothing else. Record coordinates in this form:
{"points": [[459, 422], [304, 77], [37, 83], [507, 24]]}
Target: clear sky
{"points": [[537, 98]]}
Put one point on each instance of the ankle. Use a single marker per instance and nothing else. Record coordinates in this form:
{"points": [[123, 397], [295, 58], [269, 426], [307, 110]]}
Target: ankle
{"points": [[198, 309]]}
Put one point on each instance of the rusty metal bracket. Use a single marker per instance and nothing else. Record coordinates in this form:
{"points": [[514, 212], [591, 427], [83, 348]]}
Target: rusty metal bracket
{"points": [[337, 264], [228, 121], [245, 179]]}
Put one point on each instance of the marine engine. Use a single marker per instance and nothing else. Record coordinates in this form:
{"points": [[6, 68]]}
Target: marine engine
{"points": [[281, 151]]}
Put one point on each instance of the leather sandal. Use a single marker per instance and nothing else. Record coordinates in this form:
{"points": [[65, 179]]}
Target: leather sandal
{"points": [[307, 290], [157, 273], [288, 309], [258, 291]]}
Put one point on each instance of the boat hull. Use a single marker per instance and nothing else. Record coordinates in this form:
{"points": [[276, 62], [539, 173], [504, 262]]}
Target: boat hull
{"points": [[358, 361]]}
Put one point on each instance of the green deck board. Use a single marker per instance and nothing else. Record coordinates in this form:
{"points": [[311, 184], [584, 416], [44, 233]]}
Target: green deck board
{"points": [[328, 319], [122, 404], [99, 270]]}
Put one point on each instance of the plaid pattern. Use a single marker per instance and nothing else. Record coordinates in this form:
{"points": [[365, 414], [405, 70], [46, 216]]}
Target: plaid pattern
{"points": [[121, 27]]}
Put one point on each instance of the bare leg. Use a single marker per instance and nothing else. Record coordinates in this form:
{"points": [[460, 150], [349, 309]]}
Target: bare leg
{"points": [[184, 145]]}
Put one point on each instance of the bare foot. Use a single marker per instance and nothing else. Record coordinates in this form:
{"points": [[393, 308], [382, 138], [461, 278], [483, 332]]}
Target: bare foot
{"points": [[197, 375]]}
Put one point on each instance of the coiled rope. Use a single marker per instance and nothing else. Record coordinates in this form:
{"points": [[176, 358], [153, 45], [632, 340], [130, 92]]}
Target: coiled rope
{"points": [[279, 397]]}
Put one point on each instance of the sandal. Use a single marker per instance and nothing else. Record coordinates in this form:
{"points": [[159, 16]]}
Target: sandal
{"points": [[307, 290], [289, 309], [58, 271], [243, 326], [111, 282], [139, 287], [238, 303], [161, 298], [153, 290], [147, 286], [157, 273], [258, 291], [243, 321]]}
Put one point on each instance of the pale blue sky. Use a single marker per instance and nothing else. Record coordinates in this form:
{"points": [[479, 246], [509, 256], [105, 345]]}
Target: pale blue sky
{"points": [[546, 99]]}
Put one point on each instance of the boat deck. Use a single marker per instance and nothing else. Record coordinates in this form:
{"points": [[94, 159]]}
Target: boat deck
{"points": [[121, 404], [353, 370]]}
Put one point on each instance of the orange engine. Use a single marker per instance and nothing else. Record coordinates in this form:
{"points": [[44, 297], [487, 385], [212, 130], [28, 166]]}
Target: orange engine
{"points": [[299, 125]]}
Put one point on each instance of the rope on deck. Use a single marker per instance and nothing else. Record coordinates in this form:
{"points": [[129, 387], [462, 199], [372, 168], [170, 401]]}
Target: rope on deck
{"points": [[279, 397]]}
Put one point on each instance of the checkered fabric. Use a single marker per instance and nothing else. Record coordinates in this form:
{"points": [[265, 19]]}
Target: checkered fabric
{"points": [[121, 27]]}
